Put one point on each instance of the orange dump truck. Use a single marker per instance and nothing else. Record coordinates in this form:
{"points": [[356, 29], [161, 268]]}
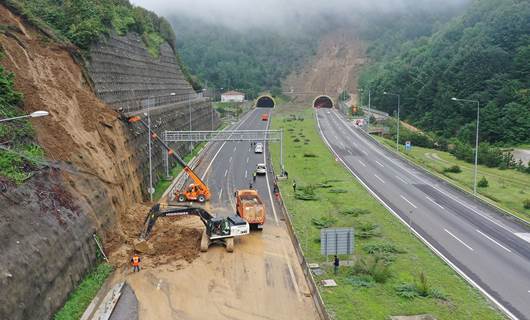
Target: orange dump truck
{"points": [[250, 207]]}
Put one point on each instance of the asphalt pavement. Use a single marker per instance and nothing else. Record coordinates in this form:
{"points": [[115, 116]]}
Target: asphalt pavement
{"points": [[488, 249]]}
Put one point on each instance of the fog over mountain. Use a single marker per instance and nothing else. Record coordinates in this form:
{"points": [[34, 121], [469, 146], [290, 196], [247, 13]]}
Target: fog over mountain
{"points": [[288, 14]]}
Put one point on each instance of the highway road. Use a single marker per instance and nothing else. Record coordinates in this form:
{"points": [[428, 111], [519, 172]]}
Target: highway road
{"points": [[261, 279], [489, 250]]}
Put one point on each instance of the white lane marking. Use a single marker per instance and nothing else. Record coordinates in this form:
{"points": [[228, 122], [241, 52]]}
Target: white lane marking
{"points": [[246, 173], [235, 148], [402, 180], [220, 194], [419, 236], [158, 285], [362, 163], [349, 151], [431, 200], [226, 172], [268, 184], [291, 272], [462, 242], [366, 153], [375, 148], [379, 178], [230, 160], [379, 163], [473, 209], [221, 147], [247, 159], [493, 240], [412, 204], [524, 236]]}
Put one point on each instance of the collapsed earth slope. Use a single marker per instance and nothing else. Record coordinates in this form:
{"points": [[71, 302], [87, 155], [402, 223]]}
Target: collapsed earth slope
{"points": [[335, 68], [89, 182]]}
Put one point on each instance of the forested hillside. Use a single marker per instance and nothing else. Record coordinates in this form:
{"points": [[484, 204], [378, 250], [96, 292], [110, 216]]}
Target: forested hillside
{"points": [[482, 55], [250, 60]]}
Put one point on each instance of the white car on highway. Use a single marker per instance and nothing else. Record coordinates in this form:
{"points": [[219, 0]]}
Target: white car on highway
{"points": [[261, 168], [259, 148]]}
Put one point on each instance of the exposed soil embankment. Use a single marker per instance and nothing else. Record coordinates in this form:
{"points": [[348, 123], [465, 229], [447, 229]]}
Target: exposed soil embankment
{"points": [[47, 224], [335, 68]]}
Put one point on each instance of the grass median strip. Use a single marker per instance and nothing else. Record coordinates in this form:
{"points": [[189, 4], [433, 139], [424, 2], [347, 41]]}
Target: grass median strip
{"points": [[392, 272]]}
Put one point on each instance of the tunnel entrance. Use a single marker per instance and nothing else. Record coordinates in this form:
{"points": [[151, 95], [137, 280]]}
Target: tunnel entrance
{"points": [[323, 102], [265, 102]]}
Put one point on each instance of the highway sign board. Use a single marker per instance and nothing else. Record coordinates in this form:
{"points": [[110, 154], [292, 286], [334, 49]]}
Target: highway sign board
{"points": [[336, 241]]}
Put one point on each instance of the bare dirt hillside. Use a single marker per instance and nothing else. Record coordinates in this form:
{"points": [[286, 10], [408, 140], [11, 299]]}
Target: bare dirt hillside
{"points": [[90, 185], [335, 68]]}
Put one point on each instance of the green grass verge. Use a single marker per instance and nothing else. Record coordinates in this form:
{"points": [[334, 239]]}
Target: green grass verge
{"points": [[310, 162], [79, 300], [507, 188]]}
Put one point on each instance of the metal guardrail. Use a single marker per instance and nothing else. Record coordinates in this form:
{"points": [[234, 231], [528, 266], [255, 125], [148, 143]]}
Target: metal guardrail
{"points": [[315, 294]]}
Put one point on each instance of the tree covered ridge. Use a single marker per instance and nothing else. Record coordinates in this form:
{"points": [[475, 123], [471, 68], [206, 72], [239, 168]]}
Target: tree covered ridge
{"points": [[251, 61], [482, 55], [85, 21]]}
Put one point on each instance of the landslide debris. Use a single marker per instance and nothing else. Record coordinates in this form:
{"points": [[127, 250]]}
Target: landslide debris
{"points": [[172, 239]]}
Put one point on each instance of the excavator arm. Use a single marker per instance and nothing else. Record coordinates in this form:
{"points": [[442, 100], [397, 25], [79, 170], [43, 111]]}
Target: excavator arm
{"points": [[196, 179], [160, 210]]}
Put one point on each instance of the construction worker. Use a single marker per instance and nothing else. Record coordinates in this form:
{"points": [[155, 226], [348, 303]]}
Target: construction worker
{"points": [[294, 186], [135, 261], [250, 186], [254, 176], [336, 264]]}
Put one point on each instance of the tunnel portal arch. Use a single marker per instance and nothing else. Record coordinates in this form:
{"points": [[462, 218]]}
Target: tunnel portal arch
{"points": [[323, 101], [265, 101]]}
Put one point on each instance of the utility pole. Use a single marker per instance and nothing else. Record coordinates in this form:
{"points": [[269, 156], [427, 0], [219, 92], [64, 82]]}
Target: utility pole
{"points": [[398, 123], [149, 143], [189, 105], [369, 110], [476, 142]]}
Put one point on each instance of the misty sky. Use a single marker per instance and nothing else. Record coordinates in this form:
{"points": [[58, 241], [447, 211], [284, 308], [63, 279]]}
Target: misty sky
{"points": [[280, 13]]}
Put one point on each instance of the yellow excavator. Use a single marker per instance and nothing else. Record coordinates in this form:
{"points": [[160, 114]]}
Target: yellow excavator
{"points": [[196, 191]]}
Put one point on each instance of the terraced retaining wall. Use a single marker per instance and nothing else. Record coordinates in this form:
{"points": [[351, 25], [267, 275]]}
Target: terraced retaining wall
{"points": [[128, 78]]}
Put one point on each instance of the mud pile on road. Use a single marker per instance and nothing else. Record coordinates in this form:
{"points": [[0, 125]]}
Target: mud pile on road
{"points": [[173, 240]]}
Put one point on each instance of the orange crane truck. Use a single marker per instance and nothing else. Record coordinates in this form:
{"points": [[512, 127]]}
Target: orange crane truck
{"points": [[198, 190], [250, 207]]}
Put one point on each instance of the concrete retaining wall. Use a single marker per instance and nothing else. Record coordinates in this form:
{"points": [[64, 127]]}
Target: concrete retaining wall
{"points": [[127, 77]]}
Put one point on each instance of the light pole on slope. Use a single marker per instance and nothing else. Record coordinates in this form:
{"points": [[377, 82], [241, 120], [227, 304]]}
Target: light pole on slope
{"points": [[397, 130]]}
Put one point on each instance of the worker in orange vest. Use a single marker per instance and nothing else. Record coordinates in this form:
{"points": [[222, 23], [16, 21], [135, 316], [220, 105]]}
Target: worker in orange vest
{"points": [[135, 260]]}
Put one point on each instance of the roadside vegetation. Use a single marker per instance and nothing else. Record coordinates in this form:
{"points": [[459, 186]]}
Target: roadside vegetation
{"points": [[391, 272], [19, 153], [507, 188], [83, 22], [81, 297]]}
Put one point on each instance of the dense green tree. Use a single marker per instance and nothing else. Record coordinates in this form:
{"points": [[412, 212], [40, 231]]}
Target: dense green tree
{"points": [[481, 55]]}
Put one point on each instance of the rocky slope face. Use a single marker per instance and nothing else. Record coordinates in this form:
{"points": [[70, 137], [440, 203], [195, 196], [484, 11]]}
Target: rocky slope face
{"points": [[47, 224]]}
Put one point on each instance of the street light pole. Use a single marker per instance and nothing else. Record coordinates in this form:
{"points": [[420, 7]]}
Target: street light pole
{"points": [[150, 157], [35, 114], [398, 122], [369, 111], [476, 141], [189, 106]]}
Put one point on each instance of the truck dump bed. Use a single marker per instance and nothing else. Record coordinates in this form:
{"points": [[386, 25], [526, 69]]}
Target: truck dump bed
{"points": [[250, 207]]}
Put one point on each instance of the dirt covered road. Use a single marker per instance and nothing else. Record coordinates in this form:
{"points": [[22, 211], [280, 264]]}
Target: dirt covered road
{"points": [[252, 283], [261, 279]]}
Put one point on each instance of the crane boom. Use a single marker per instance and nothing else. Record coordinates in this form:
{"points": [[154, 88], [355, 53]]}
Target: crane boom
{"points": [[201, 192]]}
